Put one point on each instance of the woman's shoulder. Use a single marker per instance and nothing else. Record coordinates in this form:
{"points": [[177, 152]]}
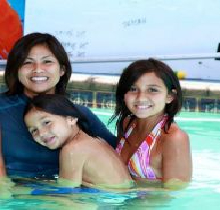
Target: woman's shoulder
{"points": [[8, 101], [78, 146], [82, 107], [84, 110], [4, 98]]}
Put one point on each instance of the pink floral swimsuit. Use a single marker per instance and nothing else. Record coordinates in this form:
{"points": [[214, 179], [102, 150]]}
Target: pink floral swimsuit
{"points": [[139, 163]]}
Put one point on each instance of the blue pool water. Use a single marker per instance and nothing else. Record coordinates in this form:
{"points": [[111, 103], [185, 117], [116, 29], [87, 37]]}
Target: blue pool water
{"points": [[202, 193]]}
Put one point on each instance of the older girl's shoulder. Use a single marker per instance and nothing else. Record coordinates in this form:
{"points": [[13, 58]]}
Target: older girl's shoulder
{"points": [[175, 134]]}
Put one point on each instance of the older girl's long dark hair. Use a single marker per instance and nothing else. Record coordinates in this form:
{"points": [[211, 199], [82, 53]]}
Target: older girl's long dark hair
{"points": [[131, 74], [59, 105]]}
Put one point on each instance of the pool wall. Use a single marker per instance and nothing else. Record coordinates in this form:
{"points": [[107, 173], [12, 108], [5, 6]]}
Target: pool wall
{"points": [[97, 91]]}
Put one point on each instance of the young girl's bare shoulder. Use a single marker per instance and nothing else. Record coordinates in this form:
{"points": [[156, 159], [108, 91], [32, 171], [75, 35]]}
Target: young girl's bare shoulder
{"points": [[77, 145]]}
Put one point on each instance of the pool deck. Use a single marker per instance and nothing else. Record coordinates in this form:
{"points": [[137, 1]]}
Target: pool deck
{"points": [[98, 91], [198, 95], [112, 80]]}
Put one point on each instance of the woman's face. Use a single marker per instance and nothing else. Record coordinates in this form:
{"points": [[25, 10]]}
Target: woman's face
{"points": [[40, 71]]}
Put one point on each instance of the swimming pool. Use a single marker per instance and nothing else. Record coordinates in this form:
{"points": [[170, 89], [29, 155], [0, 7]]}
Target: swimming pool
{"points": [[203, 192]]}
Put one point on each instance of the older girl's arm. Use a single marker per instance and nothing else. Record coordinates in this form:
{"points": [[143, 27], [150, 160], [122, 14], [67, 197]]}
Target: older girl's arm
{"points": [[177, 161]]}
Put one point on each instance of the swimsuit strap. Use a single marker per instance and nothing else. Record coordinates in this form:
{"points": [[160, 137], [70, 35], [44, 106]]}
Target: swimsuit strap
{"points": [[122, 140], [129, 131], [150, 139], [139, 162], [156, 132]]}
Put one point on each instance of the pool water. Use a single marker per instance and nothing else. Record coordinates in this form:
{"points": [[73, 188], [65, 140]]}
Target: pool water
{"points": [[202, 193]]}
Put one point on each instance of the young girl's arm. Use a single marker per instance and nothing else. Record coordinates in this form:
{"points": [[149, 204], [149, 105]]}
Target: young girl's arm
{"points": [[70, 168], [177, 162]]}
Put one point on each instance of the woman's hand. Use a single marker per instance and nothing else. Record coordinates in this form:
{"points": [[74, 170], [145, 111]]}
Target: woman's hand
{"points": [[6, 188]]}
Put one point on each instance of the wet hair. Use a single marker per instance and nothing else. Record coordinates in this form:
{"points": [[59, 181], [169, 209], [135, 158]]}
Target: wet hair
{"points": [[19, 53], [131, 74], [57, 104]]}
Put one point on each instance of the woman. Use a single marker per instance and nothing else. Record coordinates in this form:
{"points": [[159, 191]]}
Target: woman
{"points": [[37, 64]]}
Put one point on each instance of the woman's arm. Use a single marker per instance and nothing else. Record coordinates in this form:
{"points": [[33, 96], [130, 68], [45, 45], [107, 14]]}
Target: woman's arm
{"points": [[2, 163], [97, 126], [5, 182], [176, 159]]}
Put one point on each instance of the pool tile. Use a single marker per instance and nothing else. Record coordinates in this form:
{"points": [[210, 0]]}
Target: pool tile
{"points": [[81, 97], [105, 100], [207, 105], [189, 104], [218, 105]]}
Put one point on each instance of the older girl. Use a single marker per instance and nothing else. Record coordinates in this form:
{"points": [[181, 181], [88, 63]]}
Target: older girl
{"points": [[150, 143]]}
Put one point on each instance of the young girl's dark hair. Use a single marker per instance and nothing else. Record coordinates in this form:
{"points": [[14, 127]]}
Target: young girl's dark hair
{"points": [[19, 53], [131, 74], [59, 105]]}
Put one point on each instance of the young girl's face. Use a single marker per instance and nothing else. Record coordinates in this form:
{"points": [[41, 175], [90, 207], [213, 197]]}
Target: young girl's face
{"points": [[40, 71], [49, 130], [148, 96]]}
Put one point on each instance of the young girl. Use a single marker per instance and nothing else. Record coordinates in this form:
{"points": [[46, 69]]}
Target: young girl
{"points": [[148, 96], [54, 122]]}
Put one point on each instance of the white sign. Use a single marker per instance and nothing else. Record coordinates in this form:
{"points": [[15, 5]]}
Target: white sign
{"points": [[101, 30]]}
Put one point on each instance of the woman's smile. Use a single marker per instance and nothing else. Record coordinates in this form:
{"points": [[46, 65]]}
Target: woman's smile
{"points": [[39, 79]]}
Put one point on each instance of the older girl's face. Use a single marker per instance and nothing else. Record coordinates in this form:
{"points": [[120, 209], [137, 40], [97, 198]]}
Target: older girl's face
{"points": [[40, 71], [147, 97]]}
